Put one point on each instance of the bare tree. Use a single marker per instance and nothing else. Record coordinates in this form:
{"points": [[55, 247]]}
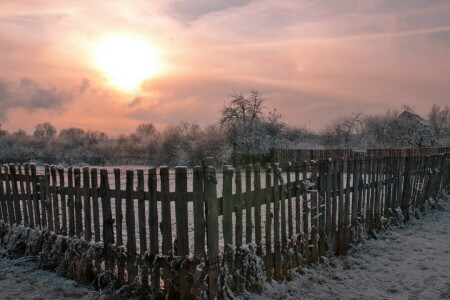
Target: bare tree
{"points": [[146, 129], [344, 132], [439, 119], [45, 130]]}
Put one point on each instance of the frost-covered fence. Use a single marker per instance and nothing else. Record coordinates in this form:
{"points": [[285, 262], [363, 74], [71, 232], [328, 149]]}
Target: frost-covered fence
{"points": [[299, 155], [202, 232]]}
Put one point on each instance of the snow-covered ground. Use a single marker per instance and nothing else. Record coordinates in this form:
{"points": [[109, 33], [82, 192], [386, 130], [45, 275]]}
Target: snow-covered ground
{"points": [[22, 279], [412, 262]]}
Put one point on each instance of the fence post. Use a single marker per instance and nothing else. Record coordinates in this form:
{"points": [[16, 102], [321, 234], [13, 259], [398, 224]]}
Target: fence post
{"points": [[166, 224], [131, 230], [55, 200], [70, 201], [34, 184], [95, 207], [238, 207], [153, 226], [78, 204], [15, 193], [108, 231], [3, 199], [269, 195], [87, 205], [63, 201], [142, 224], [212, 231], [24, 196], [248, 204], [276, 223], [257, 204], [181, 214]]}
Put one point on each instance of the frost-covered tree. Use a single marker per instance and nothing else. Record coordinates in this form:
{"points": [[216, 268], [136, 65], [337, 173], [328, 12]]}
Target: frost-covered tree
{"points": [[45, 130], [146, 129], [344, 132], [439, 119]]}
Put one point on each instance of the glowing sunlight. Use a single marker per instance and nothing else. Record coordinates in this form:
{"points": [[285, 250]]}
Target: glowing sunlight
{"points": [[125, 60]]}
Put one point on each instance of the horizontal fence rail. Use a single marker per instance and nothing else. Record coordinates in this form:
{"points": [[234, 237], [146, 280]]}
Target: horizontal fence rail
{"points": [[179, 232]]}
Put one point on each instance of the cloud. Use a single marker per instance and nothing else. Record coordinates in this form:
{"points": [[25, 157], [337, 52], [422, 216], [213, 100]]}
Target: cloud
{"points": [[28, 94]]}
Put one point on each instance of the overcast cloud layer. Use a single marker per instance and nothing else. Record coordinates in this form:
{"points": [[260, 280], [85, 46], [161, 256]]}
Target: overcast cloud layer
{"points": [[313, 59]]}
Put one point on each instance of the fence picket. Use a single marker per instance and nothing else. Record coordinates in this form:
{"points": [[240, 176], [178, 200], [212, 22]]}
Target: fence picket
{"points": [[78, 203], [131, 230], [23, 193], [166, 226], [29, 194], [108, 227], [87, 205], [257, 205], [181, 214], [95, 207], [212, 231], [70, 201], [15, 193], [62, 193], [54, 192], [238, 207], [269, 200], [248, 204], [153, 227], [142, 223]]}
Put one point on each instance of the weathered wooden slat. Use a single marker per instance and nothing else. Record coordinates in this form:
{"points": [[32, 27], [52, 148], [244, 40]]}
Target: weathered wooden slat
{"points": [[23, 194], [325, 213], [248, 204], [78, 204], [257, 204], [108, 228], [355, 191], [71, 201], [269, 195], [238, 208], [3, 199], [47, 199], [29, 194], [227, 221], [15, 193], [298, 204], [276, 224], [341, 206], [34, 185], [87, 205], [212, 232], [131, 230], [141, 211], [348, 211], [42, 197], [95, 207], [329, 192], [55, 200], [153, 226], [62, 193], [118, 206], [289, 193], [142, 223], [182, 226], [166, 224]]}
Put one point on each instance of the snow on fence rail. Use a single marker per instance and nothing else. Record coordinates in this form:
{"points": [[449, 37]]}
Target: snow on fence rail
{"points": [[169, 240]]}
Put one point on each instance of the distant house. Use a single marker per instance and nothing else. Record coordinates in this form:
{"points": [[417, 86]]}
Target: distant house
{"points": [[411, 130]]}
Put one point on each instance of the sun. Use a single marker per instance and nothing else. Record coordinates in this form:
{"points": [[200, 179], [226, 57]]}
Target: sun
{"points": [[126, 60]]}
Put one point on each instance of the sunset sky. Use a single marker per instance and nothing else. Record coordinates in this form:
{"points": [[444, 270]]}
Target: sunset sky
{"points": [[110, 65]]}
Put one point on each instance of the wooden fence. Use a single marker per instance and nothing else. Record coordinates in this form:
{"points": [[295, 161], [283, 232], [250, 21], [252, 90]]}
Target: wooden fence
{"points": [[182, 240], [299, 155]]}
